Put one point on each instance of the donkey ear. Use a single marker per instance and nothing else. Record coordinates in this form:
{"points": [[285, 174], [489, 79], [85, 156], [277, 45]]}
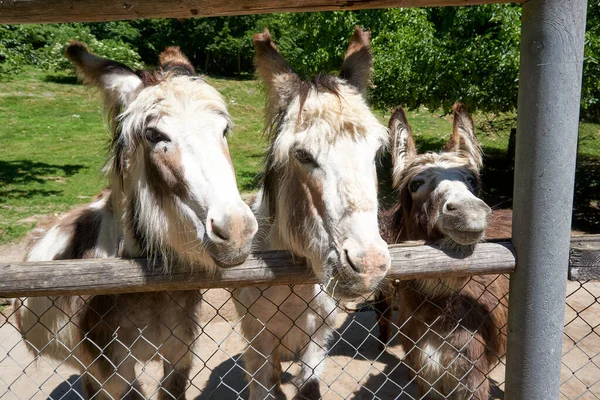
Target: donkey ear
{"points": [[463, 138], [403, 143], [118, 81], [173, 59], [356, 69], [280, 80]]}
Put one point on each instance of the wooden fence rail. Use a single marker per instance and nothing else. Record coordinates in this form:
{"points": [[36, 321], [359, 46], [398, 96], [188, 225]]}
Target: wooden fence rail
{"points": [[409, 261], [46, 11]]}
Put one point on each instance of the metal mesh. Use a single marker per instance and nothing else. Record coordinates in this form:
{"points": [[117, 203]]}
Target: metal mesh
{"points": [[580, 374], [174, 330], [120, 335]]}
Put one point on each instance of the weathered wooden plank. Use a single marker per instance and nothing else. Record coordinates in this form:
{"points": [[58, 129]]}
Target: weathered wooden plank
{"points": [[584, 274], [118, 275], [409, 261], [47, 11], [584, 258]]}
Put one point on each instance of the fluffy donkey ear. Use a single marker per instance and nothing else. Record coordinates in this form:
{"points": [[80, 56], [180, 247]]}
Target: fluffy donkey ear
{"points": [[356, 69], [173, 59], [403, 143], [463, 140], [280, 80], [118, 81]]}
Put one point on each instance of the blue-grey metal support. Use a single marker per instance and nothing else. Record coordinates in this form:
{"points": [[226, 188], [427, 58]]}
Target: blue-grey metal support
{"points": [[552, 37]]}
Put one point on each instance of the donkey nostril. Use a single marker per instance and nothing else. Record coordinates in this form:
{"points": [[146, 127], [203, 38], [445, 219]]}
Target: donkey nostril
{"points": [[350, 262], [218, 232]]}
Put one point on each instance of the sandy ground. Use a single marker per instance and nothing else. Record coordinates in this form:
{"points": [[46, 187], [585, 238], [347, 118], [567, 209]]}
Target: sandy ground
{"points": [[355, 368]]}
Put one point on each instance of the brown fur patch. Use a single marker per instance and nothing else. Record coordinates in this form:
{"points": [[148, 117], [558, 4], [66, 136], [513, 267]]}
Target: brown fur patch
{"points": [[275, 72], [463, 138], [164, 172], [461, 321], [356, 69], [403, 143], [227, 154], [310, 390], [499, 225], [81, 224], [92, 67], [172, 62], [172, 58]]}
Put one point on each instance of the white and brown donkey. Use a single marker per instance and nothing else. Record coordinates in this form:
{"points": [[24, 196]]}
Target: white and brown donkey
{"points": [[172, 198], [453, 330], [318, 200]]}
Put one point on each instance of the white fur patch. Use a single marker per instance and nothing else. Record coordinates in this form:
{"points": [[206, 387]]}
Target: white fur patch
{"points": [[54, 242], [125, 85]]}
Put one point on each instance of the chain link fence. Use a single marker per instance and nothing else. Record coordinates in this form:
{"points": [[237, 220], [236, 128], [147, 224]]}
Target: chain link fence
{"points": [[580, 375], [357, 366]]}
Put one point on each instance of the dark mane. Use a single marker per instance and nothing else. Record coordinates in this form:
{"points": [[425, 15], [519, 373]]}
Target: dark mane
{"points": [[156, 76]]}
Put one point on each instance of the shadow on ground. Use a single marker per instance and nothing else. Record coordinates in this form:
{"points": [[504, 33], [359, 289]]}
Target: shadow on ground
{"points": [[25, 172], [61, 79], [71, 389], [388, 377], [357, 339]]}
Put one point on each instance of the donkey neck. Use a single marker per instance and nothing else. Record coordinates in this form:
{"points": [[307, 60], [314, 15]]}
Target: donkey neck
{"points": [[117, 227], [398, 226], [269, 237]]}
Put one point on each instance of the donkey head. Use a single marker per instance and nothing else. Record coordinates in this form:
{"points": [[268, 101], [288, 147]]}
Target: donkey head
{"points": [[170, 170], [438, 191], [320, 182]]}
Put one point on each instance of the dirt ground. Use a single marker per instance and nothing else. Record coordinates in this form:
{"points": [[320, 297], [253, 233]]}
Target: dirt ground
{"points": [[355, 368]]}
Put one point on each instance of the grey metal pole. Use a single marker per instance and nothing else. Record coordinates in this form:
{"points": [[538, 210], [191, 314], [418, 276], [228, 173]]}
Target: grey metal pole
{"points": [[552, 37]]}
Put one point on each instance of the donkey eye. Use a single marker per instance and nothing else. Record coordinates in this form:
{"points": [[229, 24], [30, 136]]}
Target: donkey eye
{"points": [[415, 185], [304, 157], [226, 131], [154, 136], [472, 182]]}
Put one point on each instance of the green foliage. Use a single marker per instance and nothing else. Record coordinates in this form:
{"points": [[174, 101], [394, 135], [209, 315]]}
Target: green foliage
{"points": [[590, 96], [44, 46], [314, 42], [437, 56], [422, 57], [16, 49], [52, 54]]}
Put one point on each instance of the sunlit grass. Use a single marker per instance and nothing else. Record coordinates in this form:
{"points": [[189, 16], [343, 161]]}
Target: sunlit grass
{"points": [[53, 142]]}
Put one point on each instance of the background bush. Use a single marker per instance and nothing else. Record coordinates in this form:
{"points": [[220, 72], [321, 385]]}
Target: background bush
{"points": [[43, 46], [423, 57]]}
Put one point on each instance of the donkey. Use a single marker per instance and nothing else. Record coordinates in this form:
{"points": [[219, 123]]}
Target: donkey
{"points": [[318, 200], [453, 330], [172, 198]]}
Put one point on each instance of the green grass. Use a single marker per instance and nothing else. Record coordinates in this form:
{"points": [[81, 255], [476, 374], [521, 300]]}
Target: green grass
{"points": [[53, 141], [51, 149], [53, 144], [245, 101]]}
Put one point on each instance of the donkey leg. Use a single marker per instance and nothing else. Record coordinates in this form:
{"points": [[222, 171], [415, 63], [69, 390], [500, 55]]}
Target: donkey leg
{"points": [[101, 383], [263, 366], [313, 363], [383, 314], [176, 369], [91, 388]]}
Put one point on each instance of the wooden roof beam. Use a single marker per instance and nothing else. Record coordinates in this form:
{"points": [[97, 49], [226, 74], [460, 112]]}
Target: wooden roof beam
{"points": [[54, 11]]}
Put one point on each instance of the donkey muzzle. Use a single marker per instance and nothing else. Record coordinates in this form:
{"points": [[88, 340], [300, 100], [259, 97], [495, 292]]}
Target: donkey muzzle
{"points": [[368, 263], [464, 220], [230, 229]]}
